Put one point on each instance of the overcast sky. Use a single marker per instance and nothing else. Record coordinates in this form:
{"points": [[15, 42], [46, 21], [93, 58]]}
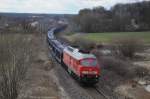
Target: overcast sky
{"points": [[55, 6]]}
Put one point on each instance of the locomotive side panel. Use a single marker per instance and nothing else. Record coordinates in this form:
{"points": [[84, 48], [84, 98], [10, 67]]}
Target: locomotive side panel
{"points": [[71, 63]]}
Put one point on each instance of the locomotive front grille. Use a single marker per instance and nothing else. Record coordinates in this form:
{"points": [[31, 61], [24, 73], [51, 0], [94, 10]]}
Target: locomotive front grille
{"points": [[90, 76]]}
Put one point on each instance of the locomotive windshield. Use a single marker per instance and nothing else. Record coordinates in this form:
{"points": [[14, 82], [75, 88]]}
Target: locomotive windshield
{"points": [[89, 62]]}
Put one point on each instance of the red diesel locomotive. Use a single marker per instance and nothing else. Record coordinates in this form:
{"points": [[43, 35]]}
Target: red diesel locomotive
{"points": [[83, 65]]}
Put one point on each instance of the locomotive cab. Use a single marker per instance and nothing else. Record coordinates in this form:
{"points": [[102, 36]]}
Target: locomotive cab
{"points": [[89, 70]]}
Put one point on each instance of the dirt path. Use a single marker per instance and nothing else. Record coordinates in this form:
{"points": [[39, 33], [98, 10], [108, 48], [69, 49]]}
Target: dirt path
{"points": [[40, 82]]}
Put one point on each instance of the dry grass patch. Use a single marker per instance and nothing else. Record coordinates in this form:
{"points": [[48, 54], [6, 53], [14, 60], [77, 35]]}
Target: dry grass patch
{"points": [[14, 61]]}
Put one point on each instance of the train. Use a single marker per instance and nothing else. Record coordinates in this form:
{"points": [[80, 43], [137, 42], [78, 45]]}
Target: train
{"points": [[83, 66]]}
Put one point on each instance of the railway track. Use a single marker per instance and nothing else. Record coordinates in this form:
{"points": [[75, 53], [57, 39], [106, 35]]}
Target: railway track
{"points": [[101, 93], [98, 92], [75, 90]]}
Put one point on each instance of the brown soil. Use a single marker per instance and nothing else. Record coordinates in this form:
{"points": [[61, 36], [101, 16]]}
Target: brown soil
{"points": [[136, 92], [39, 82]]}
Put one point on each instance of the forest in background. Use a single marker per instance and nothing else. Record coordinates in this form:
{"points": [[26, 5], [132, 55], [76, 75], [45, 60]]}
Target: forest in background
{"points": [[121, 17]]}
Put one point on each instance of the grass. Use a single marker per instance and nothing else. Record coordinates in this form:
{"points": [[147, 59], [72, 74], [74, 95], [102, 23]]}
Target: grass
{"points": [[108, 37]]}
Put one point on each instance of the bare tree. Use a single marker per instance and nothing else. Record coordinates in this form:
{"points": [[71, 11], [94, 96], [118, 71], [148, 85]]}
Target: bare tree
{"points": [[14, 60], [119, 18]]}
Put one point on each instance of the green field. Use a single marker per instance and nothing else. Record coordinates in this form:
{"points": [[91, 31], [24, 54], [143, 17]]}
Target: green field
{"points": [[108, 37]]}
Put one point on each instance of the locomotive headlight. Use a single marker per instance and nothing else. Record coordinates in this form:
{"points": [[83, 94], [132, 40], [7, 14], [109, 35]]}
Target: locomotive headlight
{"points": [[85, 72], [89, 72], [94, 72]]}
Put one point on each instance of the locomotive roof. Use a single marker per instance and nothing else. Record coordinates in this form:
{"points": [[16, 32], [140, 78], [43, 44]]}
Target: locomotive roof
{"points": [[76, 54]]}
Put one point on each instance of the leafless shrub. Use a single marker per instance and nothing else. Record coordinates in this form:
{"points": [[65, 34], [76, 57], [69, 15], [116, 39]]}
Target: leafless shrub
{"points": [[84, 44], [127, 46], [118, 66], [99, 46], [14, 60], [141, 71]]}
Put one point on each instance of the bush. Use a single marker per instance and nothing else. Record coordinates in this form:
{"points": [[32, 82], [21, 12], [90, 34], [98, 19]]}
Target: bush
{"points": [[127, 46], [118, 66], [141, 71], [123, 68], [83, 44]]}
